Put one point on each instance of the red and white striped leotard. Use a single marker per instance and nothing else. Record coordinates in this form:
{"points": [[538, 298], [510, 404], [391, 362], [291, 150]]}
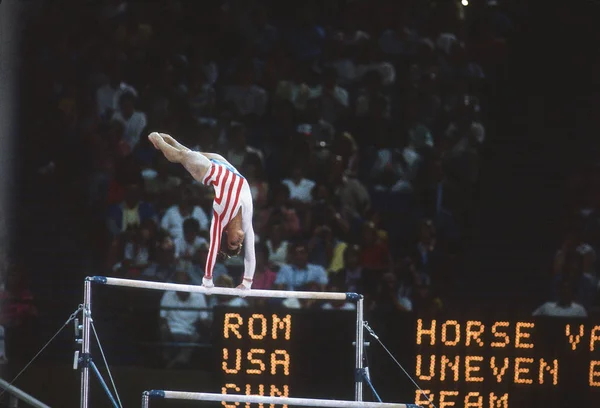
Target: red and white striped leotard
{"points": [[232, 194]]}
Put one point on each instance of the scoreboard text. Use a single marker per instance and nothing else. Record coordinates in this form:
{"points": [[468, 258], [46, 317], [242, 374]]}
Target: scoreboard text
{"points": [[451, 352], [458, 362], [255, 346]]}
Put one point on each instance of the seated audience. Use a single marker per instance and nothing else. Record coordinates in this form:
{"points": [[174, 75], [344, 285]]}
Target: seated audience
{"points": [[299, 272], [174, 217], [182, 326], [187, 245], [564, 306]]}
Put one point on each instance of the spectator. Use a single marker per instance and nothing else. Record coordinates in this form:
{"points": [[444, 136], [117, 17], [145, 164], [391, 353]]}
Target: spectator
{"points": [[136, 256], [253, 169], [187, 245], [277, 246], [326, 249], [108, 95], [279, 210], [375, 254], [225, 281], [134, 121], [175, 216], [239, 151], [201, 96], [573, 243], [584, 285], [352, 193], [425, 300], [162, 263], [182, 326], [315, 126], [333, 98], [299, 272], [264, 277], [299, 186], [352, 274], [388, 297], [564, 306], [426, 252], [336, 285], [131, 212], [160, 184], [247, 97]]}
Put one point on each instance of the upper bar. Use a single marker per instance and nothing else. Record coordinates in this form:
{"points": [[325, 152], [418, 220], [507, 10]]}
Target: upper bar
{"points": [[306, 402], [283, 294]]}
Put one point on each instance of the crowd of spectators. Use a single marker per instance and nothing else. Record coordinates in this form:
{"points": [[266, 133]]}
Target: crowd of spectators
{"points": [[574, 285], [358, 125]]}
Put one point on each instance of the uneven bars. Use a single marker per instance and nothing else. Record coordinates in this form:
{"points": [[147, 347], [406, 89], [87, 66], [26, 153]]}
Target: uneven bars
{"points": [[283, 294], [22, 395], [255, 399]]}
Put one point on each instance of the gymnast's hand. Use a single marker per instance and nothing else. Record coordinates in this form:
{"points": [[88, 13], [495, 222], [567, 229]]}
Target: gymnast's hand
{"points": [[208, 283]]}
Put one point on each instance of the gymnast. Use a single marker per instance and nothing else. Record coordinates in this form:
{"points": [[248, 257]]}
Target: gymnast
{"points": [[232, 205]]}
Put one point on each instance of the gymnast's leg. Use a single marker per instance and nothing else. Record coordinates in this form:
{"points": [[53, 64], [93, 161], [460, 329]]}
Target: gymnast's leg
{"points": [[194, 162]]}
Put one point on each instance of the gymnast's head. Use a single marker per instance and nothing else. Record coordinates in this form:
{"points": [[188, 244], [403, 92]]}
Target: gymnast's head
{"points": [[234, 236]]}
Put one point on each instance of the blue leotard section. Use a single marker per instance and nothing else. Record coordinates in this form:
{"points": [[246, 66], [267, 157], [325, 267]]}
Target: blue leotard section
{"points": [[227, 166]]}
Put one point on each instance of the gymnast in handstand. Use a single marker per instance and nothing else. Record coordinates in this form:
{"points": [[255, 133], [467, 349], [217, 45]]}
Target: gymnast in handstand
{"points": [[232, 205]]}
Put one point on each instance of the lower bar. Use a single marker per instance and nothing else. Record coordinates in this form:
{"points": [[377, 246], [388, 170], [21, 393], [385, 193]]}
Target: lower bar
{"points": [[255, 399]]}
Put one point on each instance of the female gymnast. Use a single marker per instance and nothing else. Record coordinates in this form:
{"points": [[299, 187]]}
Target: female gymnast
{"points": [[232, 205]]}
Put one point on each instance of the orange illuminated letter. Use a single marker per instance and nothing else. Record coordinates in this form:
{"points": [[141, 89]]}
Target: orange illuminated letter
{"points": [[231, 326], [261, 392], [496, 402], [469, 369], [446, 394], [546, 367], [263, 327], [224, 391], [276, 392], [499, 373], [257, 361], [594, 373], [280, 357], [421, 332], [500, 334], [594, 337], [238, 361], [445, 362], [474, 331], [431, 368], [519, 361], [456, 325], [519, 335], [284, 324], [574, 340], [423, 398], [473, 400]]}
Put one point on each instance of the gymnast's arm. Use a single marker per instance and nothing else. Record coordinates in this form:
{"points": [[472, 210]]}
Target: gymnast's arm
{"points": [[249, 255]]}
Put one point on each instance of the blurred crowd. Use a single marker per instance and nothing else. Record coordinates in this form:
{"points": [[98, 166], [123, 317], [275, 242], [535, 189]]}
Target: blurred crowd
{"points": [[359, 126], [574, 285]]}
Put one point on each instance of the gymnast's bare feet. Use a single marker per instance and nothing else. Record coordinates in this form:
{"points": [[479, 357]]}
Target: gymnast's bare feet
{"points": [[172, 149]]}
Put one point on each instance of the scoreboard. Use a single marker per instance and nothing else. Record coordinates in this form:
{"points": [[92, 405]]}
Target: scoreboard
{"points": [[458, 362]]}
